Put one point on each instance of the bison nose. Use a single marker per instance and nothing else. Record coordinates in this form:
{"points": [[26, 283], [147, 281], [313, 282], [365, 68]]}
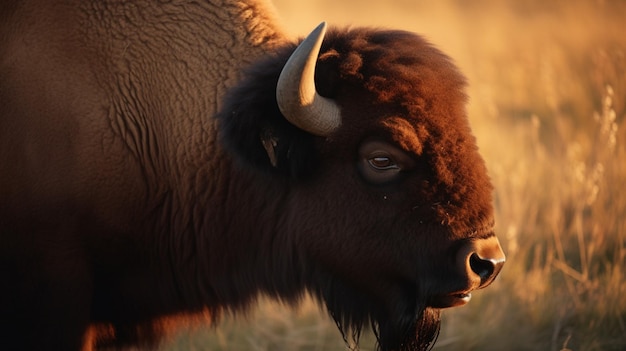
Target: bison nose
{"points": [[481, 260]]}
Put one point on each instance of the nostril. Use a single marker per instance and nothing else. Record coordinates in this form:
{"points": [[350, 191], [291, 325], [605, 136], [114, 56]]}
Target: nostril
{"points": [[483, 268], [480, 261]]}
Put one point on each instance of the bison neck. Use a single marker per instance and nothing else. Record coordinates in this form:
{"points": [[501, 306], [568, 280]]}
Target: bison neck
{"points": [[246, 249], [218, 247]]}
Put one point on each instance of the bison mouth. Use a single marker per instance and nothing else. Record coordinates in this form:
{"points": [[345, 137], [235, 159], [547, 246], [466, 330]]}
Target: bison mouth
{"points": [[450, 300]]}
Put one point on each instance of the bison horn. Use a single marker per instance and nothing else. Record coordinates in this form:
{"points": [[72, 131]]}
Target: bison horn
{"points": [[296, 95]]}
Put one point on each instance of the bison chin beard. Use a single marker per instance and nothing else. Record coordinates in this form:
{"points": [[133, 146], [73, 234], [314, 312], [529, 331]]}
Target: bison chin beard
{"points": [[409, 327], [409, 333]]}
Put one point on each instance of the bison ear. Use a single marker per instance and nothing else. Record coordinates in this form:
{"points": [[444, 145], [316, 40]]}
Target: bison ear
{"points": [[253, 130]]}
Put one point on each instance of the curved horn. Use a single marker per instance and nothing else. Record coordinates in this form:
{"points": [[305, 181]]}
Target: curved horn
{"points": [[297, 98]]}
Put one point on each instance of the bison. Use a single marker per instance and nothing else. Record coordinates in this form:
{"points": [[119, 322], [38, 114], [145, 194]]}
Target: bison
{"points": [[164, 159]]}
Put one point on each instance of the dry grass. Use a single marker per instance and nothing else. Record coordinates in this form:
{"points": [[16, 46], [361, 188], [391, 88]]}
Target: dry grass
{"points": [[548, 97]]}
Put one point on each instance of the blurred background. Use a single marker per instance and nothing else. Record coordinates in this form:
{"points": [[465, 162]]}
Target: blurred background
{"points": [[547, 105]]}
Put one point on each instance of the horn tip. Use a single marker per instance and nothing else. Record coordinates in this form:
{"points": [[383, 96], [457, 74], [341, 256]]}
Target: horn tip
{"points": [[320, 28]]}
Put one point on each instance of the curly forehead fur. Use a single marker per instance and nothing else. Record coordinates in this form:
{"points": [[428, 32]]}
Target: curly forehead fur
{"points": [[413, 91], [397, 66]]}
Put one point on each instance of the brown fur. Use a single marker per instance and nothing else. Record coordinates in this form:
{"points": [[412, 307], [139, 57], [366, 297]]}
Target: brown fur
{"points": [[136, 190]]}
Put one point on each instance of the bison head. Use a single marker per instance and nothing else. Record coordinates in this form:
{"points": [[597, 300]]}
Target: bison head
{"points": [[387, 201]]}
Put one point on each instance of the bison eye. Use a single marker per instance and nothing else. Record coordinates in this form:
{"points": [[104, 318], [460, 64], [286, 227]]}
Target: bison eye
{"points": [[381, 162]]}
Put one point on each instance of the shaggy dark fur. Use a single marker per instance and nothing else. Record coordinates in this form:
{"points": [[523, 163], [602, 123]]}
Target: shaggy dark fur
{"points": [[397, 78], [125, 206], [251, 112]]}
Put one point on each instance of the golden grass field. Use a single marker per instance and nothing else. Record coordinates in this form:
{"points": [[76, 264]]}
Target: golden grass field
{"points": [[547, 104]]}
